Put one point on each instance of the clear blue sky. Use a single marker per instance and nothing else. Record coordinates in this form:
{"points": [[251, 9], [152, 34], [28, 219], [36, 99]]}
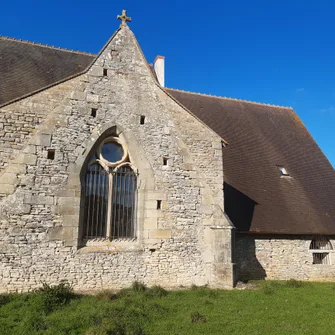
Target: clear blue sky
{"points": [[278, 52]]}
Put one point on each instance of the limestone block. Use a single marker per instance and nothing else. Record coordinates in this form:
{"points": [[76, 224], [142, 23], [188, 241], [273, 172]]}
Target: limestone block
{"points": [[30, 149], [67, 209], [160, 234], [16, 168], [156, 195], [41, 140], [67, 236], [27, 180], [151, 205], [61, 233], [217, 145], [73, 181], [73, 167], [81, 96], [7, 189], [66, 200], [38, 200], [153, 213], [28, 159], [54, 233], [9, 178], [150, 223], [65, 193], [92, 98], [96, 71], [205, 209], [188, 166]]}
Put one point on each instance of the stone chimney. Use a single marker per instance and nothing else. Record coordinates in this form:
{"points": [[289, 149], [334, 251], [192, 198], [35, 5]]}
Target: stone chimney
{"points": [[159, 69]]}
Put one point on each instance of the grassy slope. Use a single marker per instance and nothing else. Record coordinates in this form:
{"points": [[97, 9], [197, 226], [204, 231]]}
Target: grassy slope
{"points": [[275, 308]]}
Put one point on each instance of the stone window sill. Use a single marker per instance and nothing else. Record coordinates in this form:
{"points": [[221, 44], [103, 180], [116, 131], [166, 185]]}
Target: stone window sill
{"points": [[110, 247]]}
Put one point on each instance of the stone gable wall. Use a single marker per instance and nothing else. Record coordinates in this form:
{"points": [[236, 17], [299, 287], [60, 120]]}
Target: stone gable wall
{"points": [[280, 258], [41, 198], [19, 121]]}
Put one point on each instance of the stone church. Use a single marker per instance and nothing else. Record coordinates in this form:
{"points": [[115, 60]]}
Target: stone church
{"points": [[107, 177]]}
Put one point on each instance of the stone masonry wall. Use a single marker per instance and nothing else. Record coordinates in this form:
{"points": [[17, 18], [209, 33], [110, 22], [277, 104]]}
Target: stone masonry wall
{"points": [[40, 199], [281, 258]]}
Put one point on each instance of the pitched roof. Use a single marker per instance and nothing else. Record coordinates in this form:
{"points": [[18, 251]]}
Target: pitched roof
{"points": [[262, 138], [26, 67]]}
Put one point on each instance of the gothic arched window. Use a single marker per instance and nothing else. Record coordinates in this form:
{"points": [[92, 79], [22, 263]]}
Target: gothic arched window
{"points": [[109, 188]]}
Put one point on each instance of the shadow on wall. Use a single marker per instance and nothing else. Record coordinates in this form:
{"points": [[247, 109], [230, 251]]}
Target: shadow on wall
{"points": [[240, 210], [239, 207], [247, 265]]}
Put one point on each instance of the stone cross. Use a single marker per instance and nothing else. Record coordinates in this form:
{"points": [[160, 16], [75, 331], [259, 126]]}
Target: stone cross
{"points": [[124, 18]]}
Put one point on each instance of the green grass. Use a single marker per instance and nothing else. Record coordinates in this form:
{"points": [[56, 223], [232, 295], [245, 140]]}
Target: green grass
{"points": [[289, 307]]}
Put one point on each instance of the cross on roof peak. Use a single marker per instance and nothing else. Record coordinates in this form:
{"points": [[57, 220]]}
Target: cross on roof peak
{"points": [[124, 18]]}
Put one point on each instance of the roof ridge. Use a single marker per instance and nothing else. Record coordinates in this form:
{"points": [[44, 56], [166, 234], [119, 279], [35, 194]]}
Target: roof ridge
{"points": [[45, 45], [228, 98]]}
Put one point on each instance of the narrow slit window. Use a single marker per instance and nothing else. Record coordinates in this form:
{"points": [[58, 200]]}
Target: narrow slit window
{"points": [[105, 72], [159, 204], [94, 112], [165, 161], [142, 119], [51, 154]]}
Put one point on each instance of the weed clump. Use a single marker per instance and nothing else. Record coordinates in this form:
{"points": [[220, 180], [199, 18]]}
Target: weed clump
{"points": [[294, 283], [156, 292], [106, 295], [196, 317], [53, 297], [138, 287], [4, 299], [270, 287]]}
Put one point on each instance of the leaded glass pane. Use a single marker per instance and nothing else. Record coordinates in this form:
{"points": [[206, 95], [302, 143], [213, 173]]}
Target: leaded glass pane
{"points": [[112, 152], [123, 203], [96, 202]]}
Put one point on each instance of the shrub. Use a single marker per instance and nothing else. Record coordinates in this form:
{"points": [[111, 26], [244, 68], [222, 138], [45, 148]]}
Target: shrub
{"points": [[106, 295], [55, 296], [269, 287], [294, 283], [196, 317], [156, 292], [138, 287], [4, 299]]}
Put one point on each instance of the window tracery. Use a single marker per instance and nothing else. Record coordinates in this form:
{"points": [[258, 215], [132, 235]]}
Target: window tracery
{"points": [[109, 186]]}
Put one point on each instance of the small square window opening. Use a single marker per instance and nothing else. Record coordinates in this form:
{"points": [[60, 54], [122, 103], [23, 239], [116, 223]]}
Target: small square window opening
{"points": [[94, 112], [105, 72], [159, 204], [51, 154], [142, 119], [165, 161]]}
